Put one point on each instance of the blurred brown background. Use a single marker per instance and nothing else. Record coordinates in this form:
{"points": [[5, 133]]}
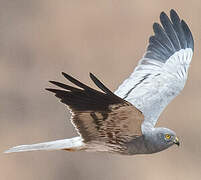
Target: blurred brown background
{"points": [[41, 38]]}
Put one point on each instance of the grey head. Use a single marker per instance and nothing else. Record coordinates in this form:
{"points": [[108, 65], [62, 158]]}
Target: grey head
{"points": [[159, 139]]}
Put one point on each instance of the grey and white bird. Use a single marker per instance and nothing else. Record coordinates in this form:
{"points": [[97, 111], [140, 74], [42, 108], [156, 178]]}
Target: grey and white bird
{"points": [[123, 122]]}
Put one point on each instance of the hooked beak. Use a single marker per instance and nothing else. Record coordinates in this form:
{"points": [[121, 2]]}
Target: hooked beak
{"points": [[176, 141]]}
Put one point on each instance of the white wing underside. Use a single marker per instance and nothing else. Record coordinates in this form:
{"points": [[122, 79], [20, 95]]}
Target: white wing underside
{"points": [[153, 84], [162, 72]]}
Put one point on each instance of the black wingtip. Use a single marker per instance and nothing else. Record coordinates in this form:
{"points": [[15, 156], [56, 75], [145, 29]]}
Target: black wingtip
{"points": [[170, 36], [51, 90], [164, 19], [162, 15], [76, 82], [174, 16], [92, 76], [52, 82], [172, 11], [100, 84], [65, 75], [65, 86], [56, 83], [189, 35]]}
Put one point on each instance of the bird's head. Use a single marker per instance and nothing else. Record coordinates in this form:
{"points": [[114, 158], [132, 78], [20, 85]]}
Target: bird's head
{"points": [[162, 138], [167, 136]]}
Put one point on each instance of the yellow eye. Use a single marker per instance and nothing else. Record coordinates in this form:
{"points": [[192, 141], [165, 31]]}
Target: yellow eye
{"points": [[167, 136]]}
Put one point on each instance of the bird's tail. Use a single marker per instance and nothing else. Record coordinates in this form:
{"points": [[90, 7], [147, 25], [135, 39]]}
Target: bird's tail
{"points": [[73, 144]]}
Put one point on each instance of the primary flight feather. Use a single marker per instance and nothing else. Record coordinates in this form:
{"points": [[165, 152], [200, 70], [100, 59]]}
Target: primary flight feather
{"points": [[123, 122]]}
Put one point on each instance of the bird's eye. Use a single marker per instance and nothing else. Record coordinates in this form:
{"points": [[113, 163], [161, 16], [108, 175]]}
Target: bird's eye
{"points": [[167, 136]]}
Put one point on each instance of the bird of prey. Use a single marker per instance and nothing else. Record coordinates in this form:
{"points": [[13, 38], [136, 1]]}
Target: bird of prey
{"points": [[123, 122]]}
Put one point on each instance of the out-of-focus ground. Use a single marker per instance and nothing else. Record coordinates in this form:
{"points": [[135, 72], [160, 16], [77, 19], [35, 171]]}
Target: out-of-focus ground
{"points": [[41, 38]]}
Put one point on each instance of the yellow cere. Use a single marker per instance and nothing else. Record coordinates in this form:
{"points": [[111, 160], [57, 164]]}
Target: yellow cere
{"points": [[167, 136]]}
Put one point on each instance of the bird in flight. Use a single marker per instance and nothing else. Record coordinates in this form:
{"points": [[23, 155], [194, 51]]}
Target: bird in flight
{"points": [[123, 122]]}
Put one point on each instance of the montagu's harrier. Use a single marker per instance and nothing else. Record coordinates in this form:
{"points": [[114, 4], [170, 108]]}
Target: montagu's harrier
{"points": [[123, 122]]}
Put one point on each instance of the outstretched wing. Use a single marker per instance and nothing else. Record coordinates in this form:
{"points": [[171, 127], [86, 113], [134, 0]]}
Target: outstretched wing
{"points": [[99, 117], [162, 72]]}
